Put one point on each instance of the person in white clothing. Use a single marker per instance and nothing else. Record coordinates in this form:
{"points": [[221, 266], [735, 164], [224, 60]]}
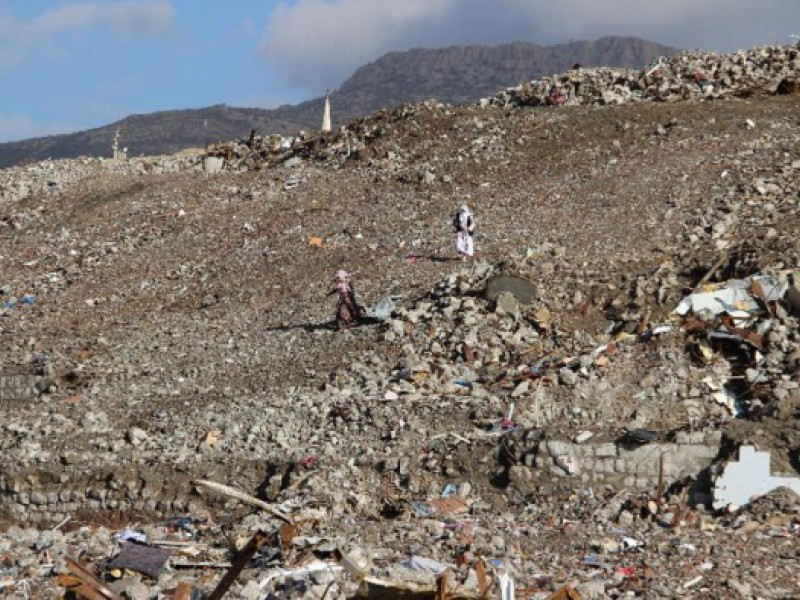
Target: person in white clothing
{"points": [[464, 226]]}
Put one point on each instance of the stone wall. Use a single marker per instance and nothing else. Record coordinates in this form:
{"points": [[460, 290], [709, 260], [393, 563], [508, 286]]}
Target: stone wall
{"points": [[162, 491], [632, 467]]}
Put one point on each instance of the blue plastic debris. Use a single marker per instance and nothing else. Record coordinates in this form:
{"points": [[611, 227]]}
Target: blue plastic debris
{"points": [[449, 490], [422, 509], [592, 560]]}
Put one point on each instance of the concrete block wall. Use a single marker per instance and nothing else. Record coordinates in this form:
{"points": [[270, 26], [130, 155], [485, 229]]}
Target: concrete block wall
{"points": [[631, 467], [42, 497]]}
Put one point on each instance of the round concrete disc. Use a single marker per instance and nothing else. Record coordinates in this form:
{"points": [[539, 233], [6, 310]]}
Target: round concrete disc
{"points": [[522, 289]]}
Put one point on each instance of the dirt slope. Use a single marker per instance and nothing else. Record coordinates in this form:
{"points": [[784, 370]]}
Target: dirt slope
{"points": [[170, 305]]}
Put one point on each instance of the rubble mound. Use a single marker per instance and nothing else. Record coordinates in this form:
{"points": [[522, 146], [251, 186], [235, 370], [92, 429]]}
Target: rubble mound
{"points": [[769, 70], [55, 176], [688, 75], [178, 402]]}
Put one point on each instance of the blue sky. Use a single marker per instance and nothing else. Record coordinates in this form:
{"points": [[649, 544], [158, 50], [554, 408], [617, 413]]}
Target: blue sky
{"points": [[67, 65], [88, 69]]}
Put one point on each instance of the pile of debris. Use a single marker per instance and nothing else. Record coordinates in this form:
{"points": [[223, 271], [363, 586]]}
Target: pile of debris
{"points": [[540, 421], [350, 142], [684, 76], [53, 177]]}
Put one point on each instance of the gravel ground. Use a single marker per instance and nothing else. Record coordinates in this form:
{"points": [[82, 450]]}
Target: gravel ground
{"points": [[180, 330]]}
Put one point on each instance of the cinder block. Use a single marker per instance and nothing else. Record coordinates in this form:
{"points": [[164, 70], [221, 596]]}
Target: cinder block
{"points": [[605, 450]]}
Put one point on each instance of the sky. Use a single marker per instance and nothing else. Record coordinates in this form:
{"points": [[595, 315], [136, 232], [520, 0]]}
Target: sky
{"points": [[68, 65]]}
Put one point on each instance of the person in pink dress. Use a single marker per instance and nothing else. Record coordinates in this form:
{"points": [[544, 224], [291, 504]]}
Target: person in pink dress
{"points": [[348, 312]]}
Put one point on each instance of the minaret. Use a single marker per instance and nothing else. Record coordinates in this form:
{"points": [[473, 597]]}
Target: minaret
{"points": [[117, 153], [326, 114], [115, 146]]}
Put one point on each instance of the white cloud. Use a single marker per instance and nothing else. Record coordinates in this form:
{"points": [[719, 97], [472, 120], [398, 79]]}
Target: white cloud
{"points": [[315, 44], [21, 128], [125, 18]]}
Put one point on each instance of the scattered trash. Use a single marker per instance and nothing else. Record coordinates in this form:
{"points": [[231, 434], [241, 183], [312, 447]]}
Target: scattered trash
{"points": [[130, 535], [661, 330], [247, 499], [148, 560], [729, 400], [451, 505], [692, 582], [383, 310], [628, 543], [304, 426], [639, 436], [734, 298], [592, 560], [81, 582], [316, 566], [213, 436], [292, 183], [449, 490], [425, 565]]}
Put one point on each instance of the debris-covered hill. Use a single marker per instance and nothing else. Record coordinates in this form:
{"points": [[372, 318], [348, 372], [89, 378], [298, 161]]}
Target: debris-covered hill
{"points": [[162, 325]]}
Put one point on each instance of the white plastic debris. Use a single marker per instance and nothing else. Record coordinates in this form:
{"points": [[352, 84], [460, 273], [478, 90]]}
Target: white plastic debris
{"points": [[629, 543], [313, 567], [382, 311], [426, 565], [729, 400], [661, 329], [748, 478], [506, 586], [734, 297]]}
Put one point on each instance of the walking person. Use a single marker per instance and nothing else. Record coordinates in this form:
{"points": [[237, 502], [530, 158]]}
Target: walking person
{"points": [[348, 312], [464, 226]]}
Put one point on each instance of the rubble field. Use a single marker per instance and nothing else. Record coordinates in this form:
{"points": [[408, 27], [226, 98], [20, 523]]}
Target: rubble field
{"points": [[604, 403]]}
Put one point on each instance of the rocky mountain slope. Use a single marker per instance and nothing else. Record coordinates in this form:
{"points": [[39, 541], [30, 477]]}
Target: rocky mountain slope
{"points": [[163, 325], [456, 75]]}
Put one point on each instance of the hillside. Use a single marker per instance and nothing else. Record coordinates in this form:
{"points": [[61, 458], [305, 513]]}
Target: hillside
{"points": [[456, 75], [164, 328]]}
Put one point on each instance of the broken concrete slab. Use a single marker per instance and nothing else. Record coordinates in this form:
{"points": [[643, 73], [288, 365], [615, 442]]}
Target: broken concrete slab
{"points": [[507, 304], [750, 477], [522, 289], [143, 559], [213, 164]]}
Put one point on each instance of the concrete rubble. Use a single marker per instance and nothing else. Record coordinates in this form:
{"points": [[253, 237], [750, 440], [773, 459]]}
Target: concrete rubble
{"points": [[691, 75], [53, 177], [541, 422]]}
